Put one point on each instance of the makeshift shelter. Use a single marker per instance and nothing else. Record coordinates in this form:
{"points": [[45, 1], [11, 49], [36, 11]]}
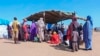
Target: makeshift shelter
{"points": [[3, 28], [52, 16], [4, 22]]}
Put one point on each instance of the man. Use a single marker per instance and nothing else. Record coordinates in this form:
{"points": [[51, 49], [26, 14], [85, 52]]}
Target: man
{"points": [[87, 33], [15, 27], [41, 26]]}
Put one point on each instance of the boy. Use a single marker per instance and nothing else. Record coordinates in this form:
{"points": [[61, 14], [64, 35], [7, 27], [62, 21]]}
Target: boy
{"points": [[75, 37], [15, 27]]}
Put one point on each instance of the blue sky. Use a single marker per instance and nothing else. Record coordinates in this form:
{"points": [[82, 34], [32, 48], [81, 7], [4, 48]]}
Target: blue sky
{"points": [[23, 8]]}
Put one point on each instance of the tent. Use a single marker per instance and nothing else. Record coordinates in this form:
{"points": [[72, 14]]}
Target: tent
{"points": [[3, 28], [4, 22]]}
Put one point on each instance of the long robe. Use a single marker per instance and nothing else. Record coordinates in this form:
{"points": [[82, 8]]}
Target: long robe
{"points": [[40, 27], [33, 31], [21, 32], [70, 30], [68, 33], [9, 31], [25, 29], [87, 34]]}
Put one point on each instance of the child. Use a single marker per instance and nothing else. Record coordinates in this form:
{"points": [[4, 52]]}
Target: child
{"points": [[75, 37]]}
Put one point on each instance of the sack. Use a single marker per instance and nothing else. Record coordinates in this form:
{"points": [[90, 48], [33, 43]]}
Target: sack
{"points": [[67, 42], [36, 39]]}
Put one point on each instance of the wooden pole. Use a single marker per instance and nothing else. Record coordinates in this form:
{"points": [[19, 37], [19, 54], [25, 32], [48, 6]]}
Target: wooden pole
{"points": [[44, 17], [61, 17], [44, 21]]}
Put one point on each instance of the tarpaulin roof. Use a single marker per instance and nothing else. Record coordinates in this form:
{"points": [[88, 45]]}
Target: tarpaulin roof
{"points": [[51, 16], [4, 22]]}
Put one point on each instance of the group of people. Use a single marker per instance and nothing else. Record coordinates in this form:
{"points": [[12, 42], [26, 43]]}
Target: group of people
{"points": [[75, 35], [26, 32]]}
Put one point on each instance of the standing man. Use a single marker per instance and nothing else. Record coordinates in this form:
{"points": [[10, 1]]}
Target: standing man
{"points": [[15, 28], [87, 33], [41, 26]]}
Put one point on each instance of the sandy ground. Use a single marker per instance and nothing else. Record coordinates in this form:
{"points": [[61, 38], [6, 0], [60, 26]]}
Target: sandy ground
{"points": [[7, 48]]}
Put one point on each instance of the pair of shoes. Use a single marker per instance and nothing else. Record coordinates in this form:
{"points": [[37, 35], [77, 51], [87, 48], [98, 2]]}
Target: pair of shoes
{"points": [[76, 50], [90, 49], [85, 49]]}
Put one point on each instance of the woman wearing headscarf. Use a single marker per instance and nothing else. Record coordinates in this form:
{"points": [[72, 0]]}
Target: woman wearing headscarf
{"points": [[25, 29], [33, 31], [76, 24], [68, 37], [9, 31], [87, 33], [55, 38], [41, 26]]}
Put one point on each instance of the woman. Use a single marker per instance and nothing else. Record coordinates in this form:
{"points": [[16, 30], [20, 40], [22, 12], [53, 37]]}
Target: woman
{"points": [[25, 30], [70, 30], [68, 38], [55, 39], [33, 31], [9, 31]]}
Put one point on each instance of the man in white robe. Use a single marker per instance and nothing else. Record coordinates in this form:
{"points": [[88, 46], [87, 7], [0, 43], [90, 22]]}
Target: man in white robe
{"points": [[41, 26]]}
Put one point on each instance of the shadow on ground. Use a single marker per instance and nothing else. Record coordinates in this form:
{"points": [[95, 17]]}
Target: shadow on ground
{"points": [[9, 42], [64, 48], [61, 47]]}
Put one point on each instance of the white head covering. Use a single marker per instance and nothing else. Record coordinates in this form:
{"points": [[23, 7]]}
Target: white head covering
{"points": [[41, 22], [41, 18]]}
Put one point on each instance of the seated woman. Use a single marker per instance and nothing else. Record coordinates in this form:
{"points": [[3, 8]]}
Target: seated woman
{"points": [[54, 38]]}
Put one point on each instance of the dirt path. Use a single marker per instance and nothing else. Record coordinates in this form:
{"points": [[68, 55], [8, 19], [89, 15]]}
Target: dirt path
{"points": [[7, 48]]}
